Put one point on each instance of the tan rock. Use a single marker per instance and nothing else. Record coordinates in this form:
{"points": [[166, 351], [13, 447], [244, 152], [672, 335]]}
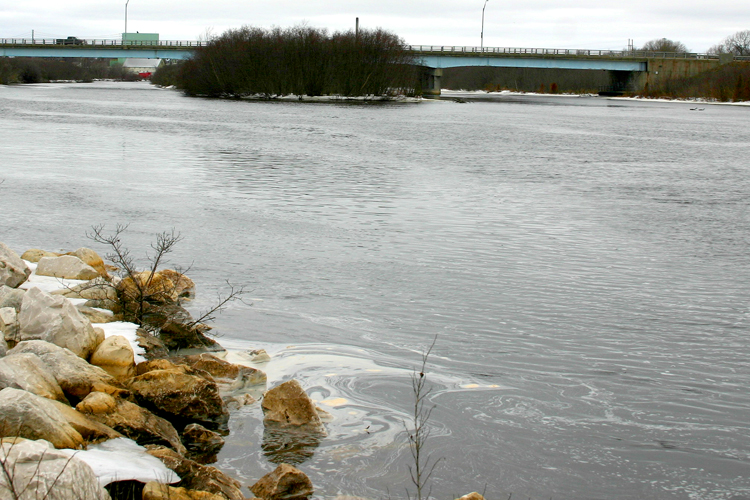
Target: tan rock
{"points": [[91, 258], [157, 491], [91, 430], [65, 266], [234, 377], [471, 496], [115, 356], [202, 444], [288, 405], [97, 403], [95, 315], [76, 377], [96, 289], [35, 254], [154, 288], [188, 397], [196, 476], [34, 417], [11, 297], [131, 420], [284, 483], [184, 286]]}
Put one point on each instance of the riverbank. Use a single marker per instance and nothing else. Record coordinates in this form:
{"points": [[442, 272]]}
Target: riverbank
{"points": [[134, 417]]}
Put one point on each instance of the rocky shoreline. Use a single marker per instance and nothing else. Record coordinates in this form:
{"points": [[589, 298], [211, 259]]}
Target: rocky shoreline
{"points": [[95, 407]]}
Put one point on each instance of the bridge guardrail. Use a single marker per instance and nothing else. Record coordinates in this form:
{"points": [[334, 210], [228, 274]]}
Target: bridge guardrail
{"points": [[105, 42], [432, 49], [518, 51]]}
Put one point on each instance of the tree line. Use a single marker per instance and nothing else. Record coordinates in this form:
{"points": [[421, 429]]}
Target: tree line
{"points": [[300, 61], [40, 70]]}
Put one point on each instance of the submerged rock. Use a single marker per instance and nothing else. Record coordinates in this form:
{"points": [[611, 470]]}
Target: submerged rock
{"points": [[288, 405], [284, 483], [202, 444]]}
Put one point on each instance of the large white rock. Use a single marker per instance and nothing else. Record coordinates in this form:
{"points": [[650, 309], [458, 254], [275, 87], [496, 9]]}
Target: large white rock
{"points": [[9, 324], [76, 377], [13, 270], [65, 266], [11, 297], [38, 471], [55, 319], [34, 417], [27, 371]]}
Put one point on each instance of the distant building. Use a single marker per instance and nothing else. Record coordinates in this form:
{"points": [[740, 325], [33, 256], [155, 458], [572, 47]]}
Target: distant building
{"points": [[143, 67]]}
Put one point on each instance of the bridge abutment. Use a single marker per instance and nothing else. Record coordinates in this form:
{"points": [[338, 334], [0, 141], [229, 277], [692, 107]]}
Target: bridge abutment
{"points": [[430, 79]]}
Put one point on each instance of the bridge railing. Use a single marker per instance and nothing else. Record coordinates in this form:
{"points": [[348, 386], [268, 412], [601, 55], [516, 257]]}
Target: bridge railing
{"points": [[519, 51], [88, 42]]}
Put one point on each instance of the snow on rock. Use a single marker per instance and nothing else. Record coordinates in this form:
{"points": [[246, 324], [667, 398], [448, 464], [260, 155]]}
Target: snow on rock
{"points": [[127, 330], [122, 459]]}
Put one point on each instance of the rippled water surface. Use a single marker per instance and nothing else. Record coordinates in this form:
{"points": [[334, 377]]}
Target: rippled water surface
{"points": [[582, 261]]}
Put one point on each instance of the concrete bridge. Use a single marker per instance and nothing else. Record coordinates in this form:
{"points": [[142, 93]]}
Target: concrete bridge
{"points": [[630, 69]]}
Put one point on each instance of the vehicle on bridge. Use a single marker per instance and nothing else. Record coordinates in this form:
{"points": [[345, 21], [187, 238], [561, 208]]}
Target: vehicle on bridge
{"points": [[71, 40]]}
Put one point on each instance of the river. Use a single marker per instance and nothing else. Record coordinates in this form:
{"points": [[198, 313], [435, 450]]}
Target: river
{"points": [[582, 263]]}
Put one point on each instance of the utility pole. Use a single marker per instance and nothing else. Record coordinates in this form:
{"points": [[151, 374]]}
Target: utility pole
{"points": [[126, 21], [482, 35], [356, 29]]}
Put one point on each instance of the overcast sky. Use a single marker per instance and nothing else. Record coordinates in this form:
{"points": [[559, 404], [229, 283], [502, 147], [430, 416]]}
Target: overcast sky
{"points": [[584, 24]]}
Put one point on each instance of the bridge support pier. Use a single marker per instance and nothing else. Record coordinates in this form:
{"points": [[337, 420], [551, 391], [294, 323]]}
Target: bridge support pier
{"points": [[430, 79]]}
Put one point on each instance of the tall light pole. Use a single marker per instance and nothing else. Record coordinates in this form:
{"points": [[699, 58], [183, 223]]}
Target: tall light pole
{"points": [[482, 35], [126, 19]]}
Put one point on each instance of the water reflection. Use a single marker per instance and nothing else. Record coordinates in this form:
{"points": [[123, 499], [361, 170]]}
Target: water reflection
{"points": [[282, 444]]}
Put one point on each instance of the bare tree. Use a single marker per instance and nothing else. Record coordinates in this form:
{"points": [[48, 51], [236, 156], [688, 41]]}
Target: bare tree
{"points": [[664, 45], [419, 433], [737, 44]]}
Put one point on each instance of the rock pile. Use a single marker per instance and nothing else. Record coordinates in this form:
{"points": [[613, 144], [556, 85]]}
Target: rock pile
{"points": [[66, 384]]}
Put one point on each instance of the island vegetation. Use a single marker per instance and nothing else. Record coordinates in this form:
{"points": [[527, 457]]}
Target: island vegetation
{"points": [[301, 60], [42, 70]]}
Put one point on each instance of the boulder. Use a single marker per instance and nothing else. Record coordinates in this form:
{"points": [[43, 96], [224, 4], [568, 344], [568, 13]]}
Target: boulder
{"points": [[56, 320], [153, 346], [158, 491], [288, 405], [35, 254], [95, 315], [92, 259], [202, 444], [182, 397], [284, 483], [28, 372], [13, 270], [91, 430], [34, 417], [65, 266], [11, 297], [41, 472], [130, 420], [471, 496], [183, 286], [9, 326], [96, 289], [76, 377], [196, 476], [3, 346], [115, 356], [232, 378], [155, 287]]}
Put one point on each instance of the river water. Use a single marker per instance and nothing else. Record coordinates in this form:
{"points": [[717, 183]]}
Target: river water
{"points": [[583, 263]]}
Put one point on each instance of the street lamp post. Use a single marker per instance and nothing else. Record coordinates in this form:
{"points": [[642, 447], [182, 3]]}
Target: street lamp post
{"points": [[482, 35], [126, 20]]}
